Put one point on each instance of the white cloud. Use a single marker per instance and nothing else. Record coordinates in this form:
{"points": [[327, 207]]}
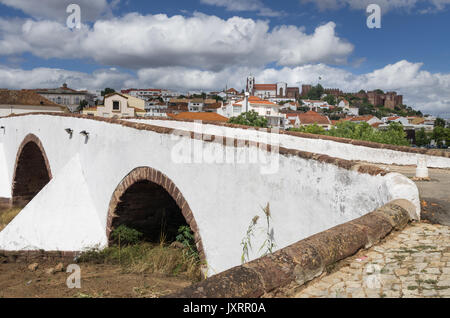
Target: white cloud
{"points": [[56, 9], [429, 92], [247, 5], [202, 41], [16, 78], [386, 5]]}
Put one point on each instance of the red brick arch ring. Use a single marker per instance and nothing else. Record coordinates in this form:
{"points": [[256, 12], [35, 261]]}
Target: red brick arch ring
{"points": [[157, 177], [30, 138]]}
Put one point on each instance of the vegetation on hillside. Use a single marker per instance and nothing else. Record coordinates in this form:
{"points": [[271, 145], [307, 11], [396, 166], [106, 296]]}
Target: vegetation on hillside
{"points": [[394, 135]]}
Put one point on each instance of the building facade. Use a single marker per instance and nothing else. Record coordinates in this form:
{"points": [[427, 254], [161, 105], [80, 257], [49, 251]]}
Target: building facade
{"points": [[26, 101], [67, 97], [118, 105], [268, 91]]}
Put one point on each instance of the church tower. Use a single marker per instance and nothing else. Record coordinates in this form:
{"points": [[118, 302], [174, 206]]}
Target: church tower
{"points": [[251, 85]]}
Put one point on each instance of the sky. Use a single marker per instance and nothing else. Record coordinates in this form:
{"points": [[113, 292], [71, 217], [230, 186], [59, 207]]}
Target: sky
{"points": [[213, 44]]}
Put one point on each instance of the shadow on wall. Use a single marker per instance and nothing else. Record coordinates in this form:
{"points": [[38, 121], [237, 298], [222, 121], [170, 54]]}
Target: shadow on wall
{"points": [[148, 208], [31, 173]]}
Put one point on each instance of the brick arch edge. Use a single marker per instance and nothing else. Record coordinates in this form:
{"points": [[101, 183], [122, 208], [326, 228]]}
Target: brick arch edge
{"points": [[159, 178], [34, 139]]}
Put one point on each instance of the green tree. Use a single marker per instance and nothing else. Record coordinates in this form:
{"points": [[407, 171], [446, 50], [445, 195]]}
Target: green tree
{"points": [[82, 105], [439, 122], [250, 118], [330, 99], [316, 92], [107, 91], [394, 135], [439, 135], [422, 138], [311, 129]]}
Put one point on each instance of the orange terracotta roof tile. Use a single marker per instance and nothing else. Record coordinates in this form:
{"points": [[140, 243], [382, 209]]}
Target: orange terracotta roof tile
{"points": [[25, 97], [266, 87], [201, 116], [312, 117]]}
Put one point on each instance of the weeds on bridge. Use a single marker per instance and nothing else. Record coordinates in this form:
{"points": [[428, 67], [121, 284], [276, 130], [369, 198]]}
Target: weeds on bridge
{"points": [[269, 242]]}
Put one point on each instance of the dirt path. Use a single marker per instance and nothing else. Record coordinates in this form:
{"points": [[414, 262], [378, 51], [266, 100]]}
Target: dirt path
{"points": [[17, 280]]}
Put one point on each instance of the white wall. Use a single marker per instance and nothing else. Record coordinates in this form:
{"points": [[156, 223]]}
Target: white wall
{"points": [[328, 147], [306, 196]]}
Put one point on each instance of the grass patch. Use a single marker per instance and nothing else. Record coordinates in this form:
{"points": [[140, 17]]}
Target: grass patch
{"points": [[148, 258], [7, 216]]}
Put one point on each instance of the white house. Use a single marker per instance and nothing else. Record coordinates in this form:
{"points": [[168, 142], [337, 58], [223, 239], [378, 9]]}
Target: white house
{"points": [[118, 105]]}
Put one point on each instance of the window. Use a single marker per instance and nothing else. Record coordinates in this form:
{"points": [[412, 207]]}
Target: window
{"points": [[116, 105]]}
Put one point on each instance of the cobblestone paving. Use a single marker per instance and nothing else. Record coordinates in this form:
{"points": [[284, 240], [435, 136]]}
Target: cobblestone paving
{"points": [[412, 263]]}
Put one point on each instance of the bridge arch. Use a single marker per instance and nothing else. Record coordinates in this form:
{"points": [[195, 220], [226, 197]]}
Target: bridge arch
{"points": [[31, 171], [147, 188]]}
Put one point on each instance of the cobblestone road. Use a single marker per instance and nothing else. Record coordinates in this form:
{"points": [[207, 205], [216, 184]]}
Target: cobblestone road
{"points": [[412, 263]]}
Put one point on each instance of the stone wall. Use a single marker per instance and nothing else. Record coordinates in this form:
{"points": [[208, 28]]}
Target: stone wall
{"points": [[303, 261]]}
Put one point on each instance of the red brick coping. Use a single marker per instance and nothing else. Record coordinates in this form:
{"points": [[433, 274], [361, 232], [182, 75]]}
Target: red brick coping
{"points": [[303, 261], [342, 163], [370, 144], [155, 176]]}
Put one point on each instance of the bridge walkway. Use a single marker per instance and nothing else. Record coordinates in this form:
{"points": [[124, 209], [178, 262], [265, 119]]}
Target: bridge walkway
{"points": [[412, 263]]}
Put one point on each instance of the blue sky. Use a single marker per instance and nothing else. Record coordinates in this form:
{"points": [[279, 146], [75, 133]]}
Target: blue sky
{"points": [[210, 44]]}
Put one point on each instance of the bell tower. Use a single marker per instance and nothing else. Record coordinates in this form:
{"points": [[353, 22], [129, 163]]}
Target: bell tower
{"points": [[251, 85]]}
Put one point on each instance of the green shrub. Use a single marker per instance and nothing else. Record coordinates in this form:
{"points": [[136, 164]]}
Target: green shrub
{"points": [[124, 235], [186, 237], [250, 118]]}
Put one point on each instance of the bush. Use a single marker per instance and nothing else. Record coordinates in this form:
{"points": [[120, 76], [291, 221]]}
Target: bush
{"points": [[250, 118], [124, 235], [311, 129], [186, 237], [394, 135]]}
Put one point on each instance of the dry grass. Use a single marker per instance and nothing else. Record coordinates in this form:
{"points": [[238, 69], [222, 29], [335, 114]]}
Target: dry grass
{"points": [[6, 216], [148, 258]]}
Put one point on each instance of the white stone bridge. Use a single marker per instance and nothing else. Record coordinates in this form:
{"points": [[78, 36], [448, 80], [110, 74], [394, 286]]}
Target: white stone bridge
{"points": [[79, 177]]}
